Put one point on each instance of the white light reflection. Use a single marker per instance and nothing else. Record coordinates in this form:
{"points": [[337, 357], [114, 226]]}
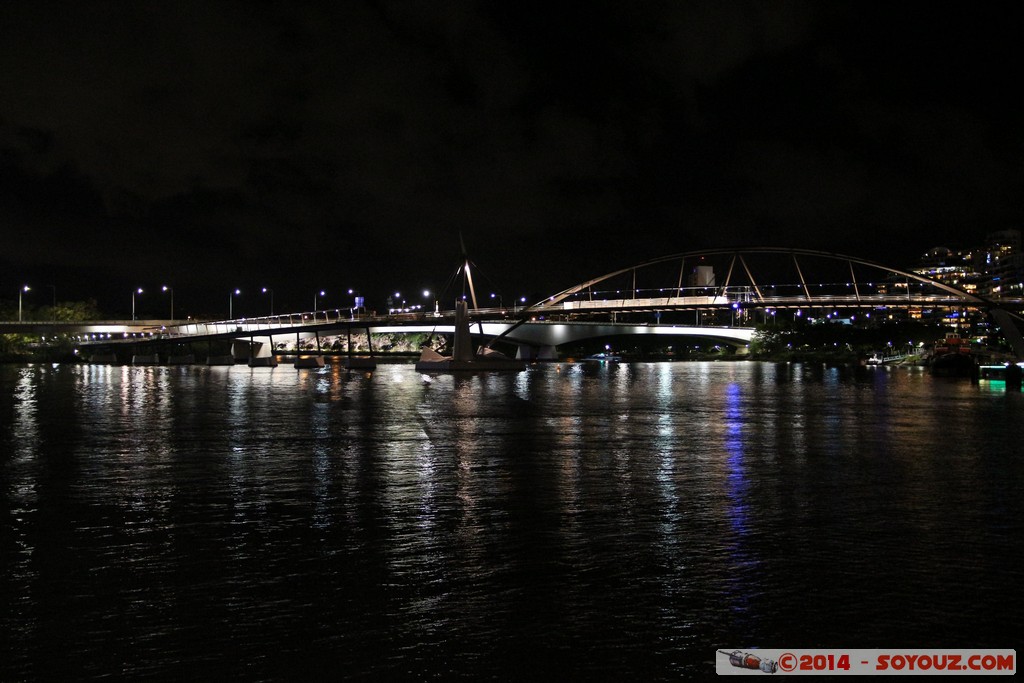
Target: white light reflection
{"points": [[668, 449], [20, 477], [320, 426], [25, 427], [412, 456], [522, 385]]}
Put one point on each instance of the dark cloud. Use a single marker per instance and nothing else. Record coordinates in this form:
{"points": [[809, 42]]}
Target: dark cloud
{"points": [[349, 144]]}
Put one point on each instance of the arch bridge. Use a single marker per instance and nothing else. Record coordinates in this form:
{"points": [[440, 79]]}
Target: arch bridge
{"points": [[769, 279], [735, 281], [772, 277]]}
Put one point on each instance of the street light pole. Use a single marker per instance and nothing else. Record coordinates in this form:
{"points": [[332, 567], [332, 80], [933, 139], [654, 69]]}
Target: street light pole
{"points": [[315, 297], [171, 290], [133, 292], [24, 288], [265, 290], [231, 303]]}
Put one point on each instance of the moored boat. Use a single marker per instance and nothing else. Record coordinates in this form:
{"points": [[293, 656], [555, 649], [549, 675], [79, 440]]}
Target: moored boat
{"points": [[953, 358]]}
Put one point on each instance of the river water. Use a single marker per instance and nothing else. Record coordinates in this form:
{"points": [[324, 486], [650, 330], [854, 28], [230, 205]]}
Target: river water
{"points": [[578, 521]]}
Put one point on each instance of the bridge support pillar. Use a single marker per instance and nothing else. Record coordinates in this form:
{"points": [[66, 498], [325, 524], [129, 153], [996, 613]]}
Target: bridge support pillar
{"points": [[253, 350], [536, 353], [261, 354], [240, 350]]}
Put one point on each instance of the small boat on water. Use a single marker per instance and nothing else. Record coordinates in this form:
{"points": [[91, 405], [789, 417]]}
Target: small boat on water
{"points": [[953, 358], [1010, 374], [954, 365], [603, 358]]}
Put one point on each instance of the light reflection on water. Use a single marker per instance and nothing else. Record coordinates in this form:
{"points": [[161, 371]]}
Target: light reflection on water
{"points": [[572, 520]]}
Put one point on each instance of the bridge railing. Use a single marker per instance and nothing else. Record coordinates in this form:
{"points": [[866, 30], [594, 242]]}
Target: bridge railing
{"points": [[800, 301], [315, 318], [884, 290]]}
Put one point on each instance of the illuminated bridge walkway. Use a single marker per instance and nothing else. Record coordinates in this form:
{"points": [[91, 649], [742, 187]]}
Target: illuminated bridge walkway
{"points": [[726, 289], [535, 338]]}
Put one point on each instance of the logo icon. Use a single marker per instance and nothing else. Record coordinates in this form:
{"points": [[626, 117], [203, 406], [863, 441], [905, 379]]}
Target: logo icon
{"points": [[745, 660]]}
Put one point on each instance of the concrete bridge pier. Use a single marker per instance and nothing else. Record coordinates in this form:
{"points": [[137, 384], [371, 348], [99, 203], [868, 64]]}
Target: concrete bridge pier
{"points": [[360, 362], [301, 361], [261, 354], [546, 352], [181, 356]]}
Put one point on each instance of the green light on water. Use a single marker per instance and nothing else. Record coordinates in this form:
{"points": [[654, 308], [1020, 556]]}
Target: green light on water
{"points": [[994, 384]]}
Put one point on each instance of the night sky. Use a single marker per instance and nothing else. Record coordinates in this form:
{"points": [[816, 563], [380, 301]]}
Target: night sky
{"points": [[305, 146]]}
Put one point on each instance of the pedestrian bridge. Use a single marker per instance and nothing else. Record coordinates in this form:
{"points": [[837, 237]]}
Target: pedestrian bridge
{"points": [[725, 288], [535, 338], [761, 277]]}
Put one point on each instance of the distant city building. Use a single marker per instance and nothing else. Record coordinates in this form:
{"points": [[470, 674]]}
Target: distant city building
{"points": [[995, 269], [1003, 264], [954, 267]]}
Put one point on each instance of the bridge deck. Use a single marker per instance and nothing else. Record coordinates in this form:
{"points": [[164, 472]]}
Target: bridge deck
{"points": [[533, 333]]}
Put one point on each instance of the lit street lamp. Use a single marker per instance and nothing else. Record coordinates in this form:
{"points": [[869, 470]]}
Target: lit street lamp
{"points": [[171, 290], [265, 291], [24, 288], [501, 304], [315, 295], [134, 292], [357, 302], [393, 305], [231, 303]]}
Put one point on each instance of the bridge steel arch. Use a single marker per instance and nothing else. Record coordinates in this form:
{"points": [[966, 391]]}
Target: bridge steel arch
{"points": [[945, 295], [737, 255]]}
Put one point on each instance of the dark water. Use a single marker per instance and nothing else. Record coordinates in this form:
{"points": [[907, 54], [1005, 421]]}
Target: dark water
{"points": [[570, 521]]}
